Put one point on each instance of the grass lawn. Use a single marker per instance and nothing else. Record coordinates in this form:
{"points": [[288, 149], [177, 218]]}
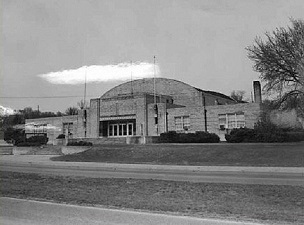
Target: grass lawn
{"points": [[236, 201], [283, 154]]}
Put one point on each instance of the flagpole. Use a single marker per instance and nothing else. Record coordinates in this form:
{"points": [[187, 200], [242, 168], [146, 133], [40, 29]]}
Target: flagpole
{"points": [[85, 72], [154, 83], [131, 77]]}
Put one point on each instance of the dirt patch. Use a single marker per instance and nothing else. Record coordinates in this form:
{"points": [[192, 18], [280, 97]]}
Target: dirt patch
{"points": [[236, 201]]}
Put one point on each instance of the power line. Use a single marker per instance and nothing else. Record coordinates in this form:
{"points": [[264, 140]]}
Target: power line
{"points": [[24, 97]]}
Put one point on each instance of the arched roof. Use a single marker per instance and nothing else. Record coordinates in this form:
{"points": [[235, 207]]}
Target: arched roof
{"points": [[182, 93], [163, 86]]}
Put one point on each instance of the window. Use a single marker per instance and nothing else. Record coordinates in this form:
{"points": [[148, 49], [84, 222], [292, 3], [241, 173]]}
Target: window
{"points": [[182, 123], [37, 128], [178, 123], [68, 129], [222, 122], [231, 120]]}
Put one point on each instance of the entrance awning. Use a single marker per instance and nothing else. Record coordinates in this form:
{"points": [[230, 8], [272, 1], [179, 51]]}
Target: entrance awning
{"points": [[124, 117]]}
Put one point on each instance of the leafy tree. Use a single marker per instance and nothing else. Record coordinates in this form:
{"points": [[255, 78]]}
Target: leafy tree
{"points": [[59, 114], [13, 135], [279, 58], [71, 111], [238, 95]]}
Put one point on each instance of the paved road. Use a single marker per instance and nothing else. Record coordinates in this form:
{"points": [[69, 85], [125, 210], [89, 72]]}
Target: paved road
{"points": [[26, 212], [246, 175]]}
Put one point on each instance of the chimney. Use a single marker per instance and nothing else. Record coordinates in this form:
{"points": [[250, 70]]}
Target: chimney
{"points": [[257, 91]]}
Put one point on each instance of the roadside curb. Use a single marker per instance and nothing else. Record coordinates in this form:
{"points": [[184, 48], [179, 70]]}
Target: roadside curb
{"points": [[46, 162]]}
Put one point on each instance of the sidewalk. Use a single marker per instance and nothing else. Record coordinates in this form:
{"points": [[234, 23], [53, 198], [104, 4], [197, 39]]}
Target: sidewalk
{"points": [[27, 212]]}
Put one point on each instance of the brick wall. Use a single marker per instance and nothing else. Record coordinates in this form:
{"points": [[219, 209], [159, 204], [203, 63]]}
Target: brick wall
{"points": [[93, 116], [57, 125], [196, 115], [161, 119], [251, 111]]}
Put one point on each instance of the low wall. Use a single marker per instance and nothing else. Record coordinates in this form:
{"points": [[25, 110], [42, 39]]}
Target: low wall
{"points": [[142, 139], [133, 140], [119, 140], [60, 142], [6, 150], [102, 140], [43, 150], [67, 150]]}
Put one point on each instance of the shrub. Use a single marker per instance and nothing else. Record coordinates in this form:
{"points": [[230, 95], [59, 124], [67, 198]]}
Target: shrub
{"points": [[61, 136], [169, 137], [198, 137], [42, 140], [241, 135], [80, 143], [205, 137], [295, 136], [263, 134]]}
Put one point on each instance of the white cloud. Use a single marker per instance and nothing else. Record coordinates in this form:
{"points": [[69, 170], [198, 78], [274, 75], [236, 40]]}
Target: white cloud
{"points": [[5, 111], [102, 73]]}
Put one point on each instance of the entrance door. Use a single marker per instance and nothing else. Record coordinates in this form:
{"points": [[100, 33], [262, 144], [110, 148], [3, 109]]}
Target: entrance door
{"points": [[130, 129], [121, 129]]}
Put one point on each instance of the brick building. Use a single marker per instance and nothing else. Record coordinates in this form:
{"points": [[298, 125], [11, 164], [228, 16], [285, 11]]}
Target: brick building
{"points": [[137, 111]]}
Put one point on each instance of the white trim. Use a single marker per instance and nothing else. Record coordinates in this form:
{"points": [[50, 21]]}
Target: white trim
{"points": [[111, 118]]}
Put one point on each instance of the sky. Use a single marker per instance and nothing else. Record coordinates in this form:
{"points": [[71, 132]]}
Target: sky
{"points": [[48, 47]]}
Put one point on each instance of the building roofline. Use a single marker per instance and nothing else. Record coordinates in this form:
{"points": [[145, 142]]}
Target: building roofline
{"points": [[160, 78], [216, 94]]}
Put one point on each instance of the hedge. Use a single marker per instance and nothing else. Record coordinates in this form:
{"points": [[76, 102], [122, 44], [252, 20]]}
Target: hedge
{"points": [[38, 139], [258, 135], [198, 137], [61, 136], [80, 143]]}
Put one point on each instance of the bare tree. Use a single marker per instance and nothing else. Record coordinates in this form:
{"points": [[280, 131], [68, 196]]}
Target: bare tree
{"points": [[238, 95], [71, 111], [279, 59]]}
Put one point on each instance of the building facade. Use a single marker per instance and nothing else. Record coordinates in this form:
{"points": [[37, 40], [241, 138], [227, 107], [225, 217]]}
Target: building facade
{"points": [[136, 111]]}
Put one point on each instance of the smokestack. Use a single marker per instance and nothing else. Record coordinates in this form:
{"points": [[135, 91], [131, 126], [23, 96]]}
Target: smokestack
{"points": [[257, 91]]}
